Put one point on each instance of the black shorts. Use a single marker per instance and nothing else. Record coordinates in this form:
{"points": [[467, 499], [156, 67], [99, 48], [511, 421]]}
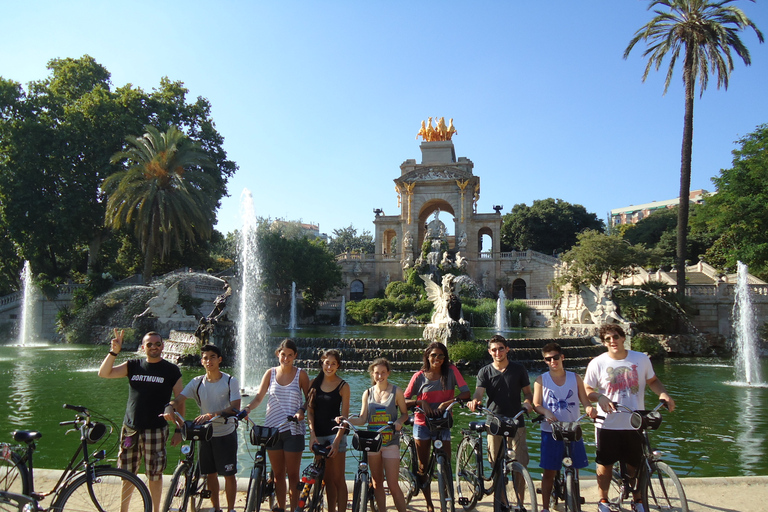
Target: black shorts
{"points": [[219, 455], [619, 446]]}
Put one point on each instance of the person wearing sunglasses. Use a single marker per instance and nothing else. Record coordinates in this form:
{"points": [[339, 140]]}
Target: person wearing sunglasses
{"points": [[619, 376], [152, 381], [557, 395]]}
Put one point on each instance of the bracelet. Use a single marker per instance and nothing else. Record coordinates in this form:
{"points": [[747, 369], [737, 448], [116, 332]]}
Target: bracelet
{"points": [[112, 353]]}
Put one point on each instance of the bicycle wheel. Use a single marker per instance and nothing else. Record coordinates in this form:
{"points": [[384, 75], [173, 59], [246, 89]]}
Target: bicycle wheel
{"points": [[518, 488], [617, 494], [664, 490], [14, 476], [467, 473], [255, 487], [445, 483], [198, 490], [109, 487], [571, 494], [176, 496], [360, 493], [317, 494], [407, 460]]}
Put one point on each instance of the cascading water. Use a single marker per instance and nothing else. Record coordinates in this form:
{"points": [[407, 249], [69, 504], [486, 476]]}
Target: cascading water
{"points": [[292, 325], [27, 327], [252, 326], [343, 313], [746, 353], [501, 312]]}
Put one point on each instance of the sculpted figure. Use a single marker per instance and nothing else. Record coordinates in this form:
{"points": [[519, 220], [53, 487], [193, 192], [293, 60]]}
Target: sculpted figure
{"points": [[463, 241], [430, 131], [441, 130], [451, 130], [163, 305], [422, 132]]}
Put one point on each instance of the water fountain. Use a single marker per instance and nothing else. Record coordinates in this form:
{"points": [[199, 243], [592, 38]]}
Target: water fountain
{"points": [[252, 327], [292, 323], [343, 313], [501, 312], [746, 353], [27, 328]]}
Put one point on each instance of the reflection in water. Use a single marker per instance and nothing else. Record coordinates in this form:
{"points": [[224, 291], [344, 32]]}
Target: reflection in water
{"points": [[750, 438], [21, 392]]}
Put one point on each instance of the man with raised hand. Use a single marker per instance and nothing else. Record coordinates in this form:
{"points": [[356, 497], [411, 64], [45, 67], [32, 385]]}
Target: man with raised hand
{"points": [[151, 382], [619, 376]]}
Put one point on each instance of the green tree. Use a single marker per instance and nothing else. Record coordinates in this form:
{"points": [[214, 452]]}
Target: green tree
{"points": [[548, 226], [704, 33], [598, 258], [737, 215], [347, 239], [162, 195]]}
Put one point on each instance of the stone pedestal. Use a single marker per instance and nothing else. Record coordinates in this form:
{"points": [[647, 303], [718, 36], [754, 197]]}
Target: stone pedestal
{"points": [[448, 332]]}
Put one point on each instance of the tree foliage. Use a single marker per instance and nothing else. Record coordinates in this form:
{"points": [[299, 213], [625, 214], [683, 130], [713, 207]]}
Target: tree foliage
{"points": [[347, 240], [548, 226], [737, 216], [704, 34], [56, 139]]}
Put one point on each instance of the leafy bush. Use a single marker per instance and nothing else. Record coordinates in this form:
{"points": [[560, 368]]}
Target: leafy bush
{"points": [[469, 351], [647, 344]]}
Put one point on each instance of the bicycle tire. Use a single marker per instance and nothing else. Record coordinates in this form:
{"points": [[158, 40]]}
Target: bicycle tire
{"points": [[14, 475], [571, 494], [445, 483], [360, 493], [405, 477], [515, 476], [107, 486], [176, 496], [197, 489], [317, 495], [467, 469], [254, 497], [617, 494], [558, 488], [664, 491]]}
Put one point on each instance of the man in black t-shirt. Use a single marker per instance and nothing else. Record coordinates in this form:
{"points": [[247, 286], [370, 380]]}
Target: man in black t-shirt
{"points": [[145, 432]]}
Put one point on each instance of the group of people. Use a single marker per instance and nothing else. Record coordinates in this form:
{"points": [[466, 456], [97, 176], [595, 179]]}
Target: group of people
{"points": [[619, 376]]}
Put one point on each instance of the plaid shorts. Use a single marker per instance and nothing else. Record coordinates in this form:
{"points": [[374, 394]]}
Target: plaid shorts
{"points": [[148, 444]]}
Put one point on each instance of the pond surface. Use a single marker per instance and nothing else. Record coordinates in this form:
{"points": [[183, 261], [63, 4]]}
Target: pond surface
{"points": [[719, 429]]}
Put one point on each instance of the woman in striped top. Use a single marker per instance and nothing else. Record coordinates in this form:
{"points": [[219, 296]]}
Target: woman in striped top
{"points": [[287, 387]]}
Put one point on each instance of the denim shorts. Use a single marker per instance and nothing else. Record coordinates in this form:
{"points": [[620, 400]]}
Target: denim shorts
{"points": [[422, 433], [288, 442], [330, 439]]}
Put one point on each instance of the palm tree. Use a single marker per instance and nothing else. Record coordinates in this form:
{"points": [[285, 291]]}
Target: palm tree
{"points": [[705, 33], [163, 193]]}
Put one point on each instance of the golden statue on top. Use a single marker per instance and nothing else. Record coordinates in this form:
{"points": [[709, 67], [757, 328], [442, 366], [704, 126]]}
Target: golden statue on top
{"points": [[431, 133]]}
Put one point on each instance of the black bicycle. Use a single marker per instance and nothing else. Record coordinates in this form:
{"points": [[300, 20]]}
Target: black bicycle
{"points": [[85, 484], [312, 485], [439, 461], [408, 463], [261, 486], [566, 487], [510, 482], [658, 484]]}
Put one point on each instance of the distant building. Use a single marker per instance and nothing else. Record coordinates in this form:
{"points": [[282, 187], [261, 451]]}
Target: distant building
{"points": [[310, 230], [635, 213]]}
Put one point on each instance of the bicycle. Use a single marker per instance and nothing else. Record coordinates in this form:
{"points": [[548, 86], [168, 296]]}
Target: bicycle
{"points": [[261, 487], [84, 484], [658, 484], [470, 474], [312, 485], [188, 486], [439, 462], [408, 463], [566, 484]]}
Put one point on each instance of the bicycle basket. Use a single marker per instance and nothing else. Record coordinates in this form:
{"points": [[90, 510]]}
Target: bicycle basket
{"points": [[367, 441], [570, 430], [95, 432], [645, 420], [192, 432], [439, 423], [264, 435], [502, 426]]}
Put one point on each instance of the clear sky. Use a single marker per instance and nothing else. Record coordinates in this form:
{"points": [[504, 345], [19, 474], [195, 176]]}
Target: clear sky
{"points": [[319, 102]]}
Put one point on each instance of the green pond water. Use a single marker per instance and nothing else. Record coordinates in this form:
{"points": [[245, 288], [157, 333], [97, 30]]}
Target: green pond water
{"points": [[718, 429]]}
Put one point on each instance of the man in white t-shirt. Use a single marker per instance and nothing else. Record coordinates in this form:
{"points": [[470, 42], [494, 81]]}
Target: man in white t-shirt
{"points": [[619, 376], [217, 394]]}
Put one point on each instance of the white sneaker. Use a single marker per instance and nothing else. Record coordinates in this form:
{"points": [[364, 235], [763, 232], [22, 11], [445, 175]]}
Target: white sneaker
{"points": [[603, 506], [638, 507]]}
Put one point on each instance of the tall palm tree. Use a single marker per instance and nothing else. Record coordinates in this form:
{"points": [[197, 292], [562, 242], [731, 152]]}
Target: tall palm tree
{"points": [[162, 193], [704, 33]]}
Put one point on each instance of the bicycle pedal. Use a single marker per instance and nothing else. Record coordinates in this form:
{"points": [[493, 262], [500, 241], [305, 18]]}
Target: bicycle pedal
{"points": [[582, 500], [206, 494], [463, 501]]}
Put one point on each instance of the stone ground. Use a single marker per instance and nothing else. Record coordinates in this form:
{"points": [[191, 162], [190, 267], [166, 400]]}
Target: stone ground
{"points": [[716, 494]]}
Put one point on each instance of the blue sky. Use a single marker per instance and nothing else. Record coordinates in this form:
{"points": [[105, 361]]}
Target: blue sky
{"points": [[319, 102]]}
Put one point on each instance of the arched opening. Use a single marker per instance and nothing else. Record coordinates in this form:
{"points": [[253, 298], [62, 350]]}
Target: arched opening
{"points": [[485, 243], [356, 290], [518, 289], [389, 243], [446, 217]]}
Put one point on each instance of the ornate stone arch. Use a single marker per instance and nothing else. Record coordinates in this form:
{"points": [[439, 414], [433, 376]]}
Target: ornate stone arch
{"points": [[519, 289]]}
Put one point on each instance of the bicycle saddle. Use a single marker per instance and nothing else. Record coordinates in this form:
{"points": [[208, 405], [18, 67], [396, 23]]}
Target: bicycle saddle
{"points": [[26, 436]]}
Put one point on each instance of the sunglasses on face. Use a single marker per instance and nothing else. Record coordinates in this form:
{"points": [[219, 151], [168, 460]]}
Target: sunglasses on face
{"points": [[610, 337], [157, 344], [436, 356], [553, 358]]}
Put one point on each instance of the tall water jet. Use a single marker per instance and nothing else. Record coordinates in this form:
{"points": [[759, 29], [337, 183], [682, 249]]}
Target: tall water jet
{"points": [[252, 326], [746, 352], [501, 312], [292, 324], [27, 327], [343, 313]]}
